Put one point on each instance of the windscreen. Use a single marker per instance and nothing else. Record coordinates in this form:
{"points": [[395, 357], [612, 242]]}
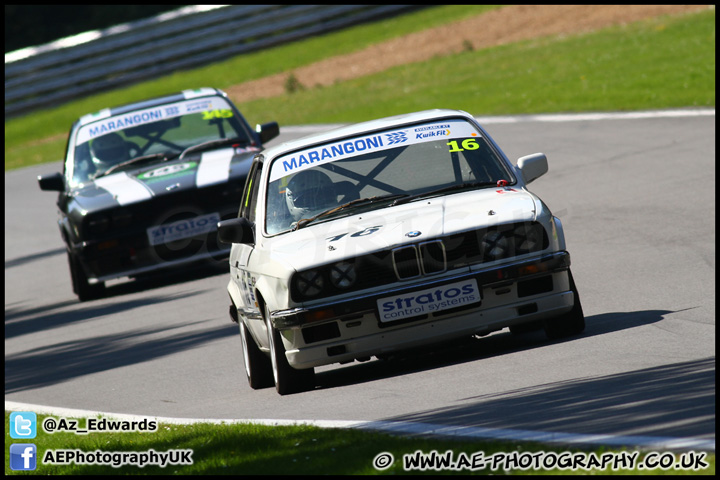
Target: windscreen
{"points": [[373, 170], [161, 130]]}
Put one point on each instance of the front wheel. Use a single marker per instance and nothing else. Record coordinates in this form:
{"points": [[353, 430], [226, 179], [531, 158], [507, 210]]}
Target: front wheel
{"points": [[258, 367], [570, 323], [287, 379], [80, 285]]}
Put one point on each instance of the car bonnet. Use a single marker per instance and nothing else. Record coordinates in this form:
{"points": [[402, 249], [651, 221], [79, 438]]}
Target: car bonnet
{"points": [[197, 171], [425, 219]]}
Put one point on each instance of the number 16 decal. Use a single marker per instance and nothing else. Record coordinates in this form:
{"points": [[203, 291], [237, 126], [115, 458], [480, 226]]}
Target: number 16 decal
{"points": [[467, 144]]}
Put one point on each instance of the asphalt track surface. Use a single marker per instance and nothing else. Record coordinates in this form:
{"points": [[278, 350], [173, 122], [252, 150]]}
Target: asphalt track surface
{"points": [[636, 195]]}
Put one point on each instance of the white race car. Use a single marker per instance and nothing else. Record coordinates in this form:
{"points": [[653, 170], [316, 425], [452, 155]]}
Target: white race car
{"points": [[389, 235]]}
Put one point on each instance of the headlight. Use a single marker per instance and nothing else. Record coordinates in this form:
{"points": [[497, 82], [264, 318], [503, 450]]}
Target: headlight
{"points": [[121, 219], [510, 240], [97, 224], [343, 275], [494, 246], [309, 283], [529, 238]]}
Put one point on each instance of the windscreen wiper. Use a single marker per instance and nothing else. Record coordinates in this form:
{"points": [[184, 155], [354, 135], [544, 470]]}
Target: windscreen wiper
{"points": [[120, 165], [211, 144], [439, 191], [353, 203]]}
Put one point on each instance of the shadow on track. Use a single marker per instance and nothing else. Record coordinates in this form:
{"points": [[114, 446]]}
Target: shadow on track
{"points": [[477, 348], [62, 361], [72, 359], [21, 321], [675, 400]]}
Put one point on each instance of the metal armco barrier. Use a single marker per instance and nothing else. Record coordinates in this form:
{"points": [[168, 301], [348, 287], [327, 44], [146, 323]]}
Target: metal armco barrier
{"points": [[160, 45]]}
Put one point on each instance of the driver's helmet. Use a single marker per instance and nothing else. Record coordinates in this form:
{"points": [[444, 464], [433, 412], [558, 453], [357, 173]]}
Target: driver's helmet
{"points": [[308, 193], [109, 150]]}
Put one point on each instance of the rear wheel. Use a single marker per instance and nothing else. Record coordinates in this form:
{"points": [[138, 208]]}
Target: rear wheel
{"points": [[258, 367], [570, 323], [82, 288], [287, 379]]}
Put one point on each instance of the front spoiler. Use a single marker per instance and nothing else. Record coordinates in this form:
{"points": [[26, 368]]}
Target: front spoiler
{"points": [[169, 264], [509, 272]]}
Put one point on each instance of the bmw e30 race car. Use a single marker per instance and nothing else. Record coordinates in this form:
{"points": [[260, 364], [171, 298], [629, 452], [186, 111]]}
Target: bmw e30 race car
{"points": [[144, 185], [390, 235]]}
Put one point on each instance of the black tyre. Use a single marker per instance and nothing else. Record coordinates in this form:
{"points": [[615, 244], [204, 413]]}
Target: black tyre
{"points": [[570, 323], [258, 367], [82, 288], [287, 379]]}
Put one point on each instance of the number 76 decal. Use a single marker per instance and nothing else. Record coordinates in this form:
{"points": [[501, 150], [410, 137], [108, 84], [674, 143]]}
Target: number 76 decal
{"points": [[360, 233]]}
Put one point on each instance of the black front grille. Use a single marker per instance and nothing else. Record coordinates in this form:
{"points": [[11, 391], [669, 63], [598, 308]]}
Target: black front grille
{"points": [[406, 262], [422, 259], [433, 257]]}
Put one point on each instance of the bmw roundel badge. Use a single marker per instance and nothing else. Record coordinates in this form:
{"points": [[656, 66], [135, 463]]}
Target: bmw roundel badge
{"points": [[413, 234]]}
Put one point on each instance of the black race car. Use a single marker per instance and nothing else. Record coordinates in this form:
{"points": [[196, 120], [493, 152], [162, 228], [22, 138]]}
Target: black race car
{"points": [[144, 185]]}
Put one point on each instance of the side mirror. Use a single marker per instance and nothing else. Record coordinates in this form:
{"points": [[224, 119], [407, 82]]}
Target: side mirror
{"points": [[236, 230], [52, 182], [533, 166], [268, 131]]}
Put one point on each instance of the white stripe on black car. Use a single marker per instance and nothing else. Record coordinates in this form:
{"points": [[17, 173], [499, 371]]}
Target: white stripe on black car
{"points": [[214, 167], [124, 189]]}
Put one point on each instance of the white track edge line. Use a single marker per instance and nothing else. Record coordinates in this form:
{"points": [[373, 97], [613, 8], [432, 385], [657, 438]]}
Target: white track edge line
{"points": [[407, 428]]}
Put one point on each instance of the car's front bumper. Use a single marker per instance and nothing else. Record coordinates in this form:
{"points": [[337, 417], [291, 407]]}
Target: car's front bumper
{"points": [[131, 256], [512, 294], [219, 255], [129, 252]]}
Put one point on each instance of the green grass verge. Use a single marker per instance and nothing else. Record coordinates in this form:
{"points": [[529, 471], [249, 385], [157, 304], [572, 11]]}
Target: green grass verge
{"points": [[661, 63], [247, 449], [654, 64]]}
